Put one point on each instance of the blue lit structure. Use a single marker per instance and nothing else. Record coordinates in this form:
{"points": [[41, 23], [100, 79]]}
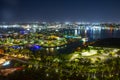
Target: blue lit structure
{"points": [[23, 32], [35, 48], [16, 47]]}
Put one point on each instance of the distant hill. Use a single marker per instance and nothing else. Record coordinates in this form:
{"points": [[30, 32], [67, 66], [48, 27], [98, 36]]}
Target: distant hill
{"points": [[108, 42]]}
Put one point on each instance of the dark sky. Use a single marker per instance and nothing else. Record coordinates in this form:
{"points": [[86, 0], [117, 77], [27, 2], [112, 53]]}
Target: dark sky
{"points": [[59, 10]]}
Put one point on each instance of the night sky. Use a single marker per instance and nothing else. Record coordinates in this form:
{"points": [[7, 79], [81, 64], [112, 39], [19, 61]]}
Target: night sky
{"points": [[59, 10]]}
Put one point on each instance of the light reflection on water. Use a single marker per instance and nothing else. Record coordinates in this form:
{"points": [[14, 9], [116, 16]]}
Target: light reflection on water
{"points": [[54, 50], [94, 33]]}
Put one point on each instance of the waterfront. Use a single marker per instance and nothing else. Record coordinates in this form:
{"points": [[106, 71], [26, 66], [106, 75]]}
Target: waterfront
{"points": [[66, 53]]}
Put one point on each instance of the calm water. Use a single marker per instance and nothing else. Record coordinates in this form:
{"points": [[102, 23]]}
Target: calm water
{"points": [[93, 34]]}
